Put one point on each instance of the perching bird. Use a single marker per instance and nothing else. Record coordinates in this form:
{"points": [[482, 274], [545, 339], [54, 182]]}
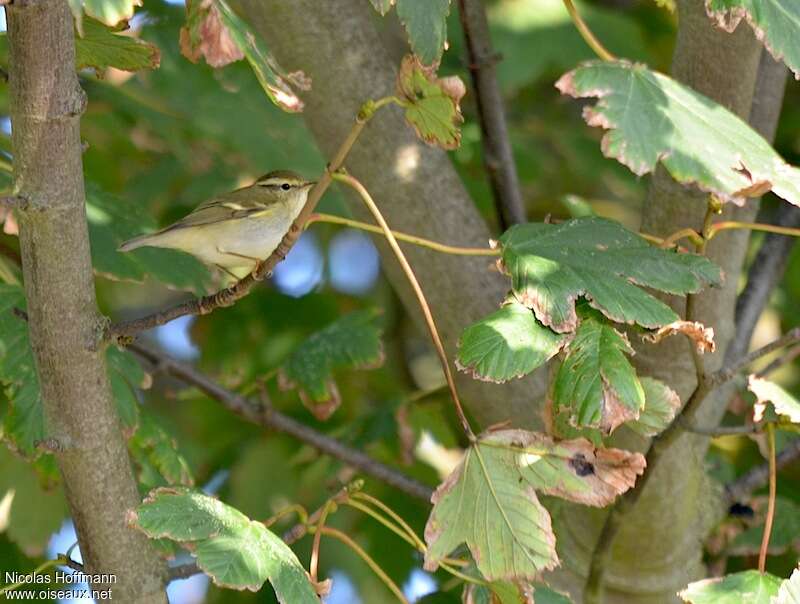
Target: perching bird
{"points": [[236, 229]]}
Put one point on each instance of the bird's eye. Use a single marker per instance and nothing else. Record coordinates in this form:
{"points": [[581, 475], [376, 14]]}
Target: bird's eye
{"points": [[286, 186]]}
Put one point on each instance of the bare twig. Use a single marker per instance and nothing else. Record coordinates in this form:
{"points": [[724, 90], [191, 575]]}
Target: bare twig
{"points": [[271, 418], [773, 480], [729, 371], [184, 571], [757, 477], [498, 157], [412, 279], [229, 295]]}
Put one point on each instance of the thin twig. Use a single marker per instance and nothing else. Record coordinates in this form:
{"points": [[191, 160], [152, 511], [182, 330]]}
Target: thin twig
{"points": [[419, 241], [773, 479], [426, 311], [498, 157], [728, 372], [726, 225], [587, 34], [757, 477], [374, 566], [183, 571], [229, 295], [313, 565], [270, 418]]}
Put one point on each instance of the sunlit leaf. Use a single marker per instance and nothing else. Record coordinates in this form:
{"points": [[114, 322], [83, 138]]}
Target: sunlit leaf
{"points": [[351, 342], [113, 220], [110, 12], [100, 47], [551, 265], [431, 103], [596, 383], [789, 592], [215, 32], [233, 550], [506, 344], [426, 26], [489, 502], [748, 586], [651, 118], [769, 392], [775, 22], [382, 6]]}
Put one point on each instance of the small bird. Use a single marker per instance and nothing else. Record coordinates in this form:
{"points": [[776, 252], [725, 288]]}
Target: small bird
{"points": [[237, 229]]}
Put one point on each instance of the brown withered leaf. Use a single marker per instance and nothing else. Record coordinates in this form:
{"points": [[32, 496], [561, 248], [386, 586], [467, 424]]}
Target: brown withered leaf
{"points": [[702, 336], [204, 35]]}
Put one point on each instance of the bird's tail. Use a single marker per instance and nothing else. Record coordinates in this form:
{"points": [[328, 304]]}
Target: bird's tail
{"points": [[136, 242]]}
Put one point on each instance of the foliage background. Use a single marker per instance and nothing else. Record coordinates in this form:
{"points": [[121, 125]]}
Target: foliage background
{"points": [[162, 141]]}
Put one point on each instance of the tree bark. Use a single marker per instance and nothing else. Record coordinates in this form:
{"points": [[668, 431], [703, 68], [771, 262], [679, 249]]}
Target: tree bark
{"points": [[340, 45], [680, 505], [82, 427]]}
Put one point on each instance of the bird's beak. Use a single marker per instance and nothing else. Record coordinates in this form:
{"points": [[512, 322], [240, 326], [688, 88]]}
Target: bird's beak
{"points": [[310, 183]]}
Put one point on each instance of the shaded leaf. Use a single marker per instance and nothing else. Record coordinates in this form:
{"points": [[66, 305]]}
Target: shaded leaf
{"points": [[775, 22], [233, 550], [431, 103], [506, 344], [489, 501], [596, 383], [769, 392], [35, 512], [215, 32], [113, 220], [551, 265], [426, 26], [24, 422], [152, 448], [351, 342], [507, 592], [702, 336], [651, 118], [785, 530], [789, 592], [661, 403], [748, 586], [100, 48]]}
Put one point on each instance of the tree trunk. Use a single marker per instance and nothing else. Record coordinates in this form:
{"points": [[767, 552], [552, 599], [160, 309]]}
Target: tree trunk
{"points": [[341, 46], [82, 427]]}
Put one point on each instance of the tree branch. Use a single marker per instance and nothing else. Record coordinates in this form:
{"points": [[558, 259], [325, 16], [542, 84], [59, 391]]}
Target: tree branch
{"points": [[237, 291], [270, 418], [757, 477], [83, 429], [498, 157]]}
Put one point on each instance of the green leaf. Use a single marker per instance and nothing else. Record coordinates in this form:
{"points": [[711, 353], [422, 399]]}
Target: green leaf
{"points": [[426, 25], [506, 344], [652, 118], [506, 592], [661, 403], [769, 392], [215, 32], [99, 47], [110, 12], [551, 265], [24, 423], [789, 592], [233, 550], [351, 342], [489, 501], [431, 103], [748, 586], [153, 449], [596, 383], [35, 512], [775, 22], [113, 220], [382, 6]]}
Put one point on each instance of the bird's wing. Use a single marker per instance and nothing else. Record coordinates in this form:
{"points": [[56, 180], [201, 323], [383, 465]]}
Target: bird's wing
{"points": [[219, 209]]}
